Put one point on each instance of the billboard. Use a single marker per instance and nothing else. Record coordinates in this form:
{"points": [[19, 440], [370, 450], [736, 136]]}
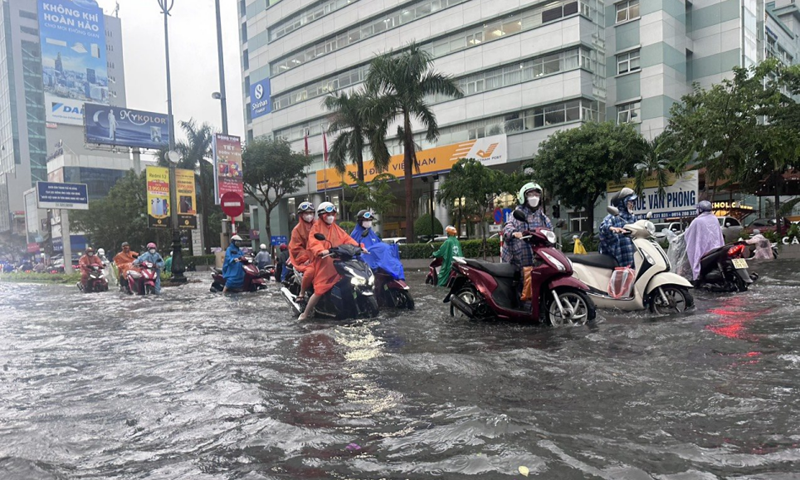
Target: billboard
{"points": [[125, 127], [187, 199], [69, 196], [679, 200], [158, 197], [260, 101], [228, 176], [74, 69]]}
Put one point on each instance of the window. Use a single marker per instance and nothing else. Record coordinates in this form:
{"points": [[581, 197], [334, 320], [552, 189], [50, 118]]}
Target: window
{"points": [[29, 15], [29, 31], [627, 10], [628, 62], [629, 112], [244, 33], [246, 60]]}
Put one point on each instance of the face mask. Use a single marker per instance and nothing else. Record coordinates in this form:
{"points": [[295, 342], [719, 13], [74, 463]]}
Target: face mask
{"points": [[533, 201], [630, 206], [367, 225], [308, 217], [91, 254], [329, 219], [152, 250], [235, 243]]}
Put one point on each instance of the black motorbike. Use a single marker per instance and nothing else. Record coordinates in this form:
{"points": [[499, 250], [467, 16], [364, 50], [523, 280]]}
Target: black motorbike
{"points": [[351, 297], [725, 269]]}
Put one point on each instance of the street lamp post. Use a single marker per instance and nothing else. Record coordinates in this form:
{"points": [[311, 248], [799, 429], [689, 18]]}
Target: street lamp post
{"points": [[222, 98], [177, 254]]}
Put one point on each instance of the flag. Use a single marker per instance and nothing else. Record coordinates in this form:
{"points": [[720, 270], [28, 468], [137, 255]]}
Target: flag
{"points": [[325, 147], [306, 139]]}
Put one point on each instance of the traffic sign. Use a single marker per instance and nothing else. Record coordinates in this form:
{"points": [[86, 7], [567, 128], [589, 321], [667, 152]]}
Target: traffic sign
{"points": [[498, 215], [278, 239], [507, 215], [232, 204]]}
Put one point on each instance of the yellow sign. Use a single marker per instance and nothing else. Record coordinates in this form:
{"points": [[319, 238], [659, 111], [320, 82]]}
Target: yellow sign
{"points": [[158, 197], [187, 198]]}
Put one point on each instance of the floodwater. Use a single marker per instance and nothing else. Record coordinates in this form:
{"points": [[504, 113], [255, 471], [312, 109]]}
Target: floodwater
{"points": [[194, 385]]}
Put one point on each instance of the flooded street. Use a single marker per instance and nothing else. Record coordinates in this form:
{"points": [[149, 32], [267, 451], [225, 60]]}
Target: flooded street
{"points": [[202, 386]]}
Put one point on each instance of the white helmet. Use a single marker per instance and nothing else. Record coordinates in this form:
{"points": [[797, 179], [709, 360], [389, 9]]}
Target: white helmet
{"points": [[237, 238], [101, 252], [326, 207], [263, 247]]}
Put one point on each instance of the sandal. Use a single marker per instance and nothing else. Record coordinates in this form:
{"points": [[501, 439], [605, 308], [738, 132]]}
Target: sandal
{"points": [[299, 299]]}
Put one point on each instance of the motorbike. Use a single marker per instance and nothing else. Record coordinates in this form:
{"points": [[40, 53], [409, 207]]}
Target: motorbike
{"points": [[96, 282], [392, 292], [351, 297], [141, 281], [483, 290], [655, 286], [433, 272], [725, 269], [254, 279]]}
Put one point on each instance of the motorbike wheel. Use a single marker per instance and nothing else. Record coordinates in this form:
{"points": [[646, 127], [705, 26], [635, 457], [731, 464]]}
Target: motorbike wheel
{"points": [[216, 287], [582, 307], [149, 290], [429, 280], [370, 306], [740, 285], [401, 299], [679, 299], [471, 297]]}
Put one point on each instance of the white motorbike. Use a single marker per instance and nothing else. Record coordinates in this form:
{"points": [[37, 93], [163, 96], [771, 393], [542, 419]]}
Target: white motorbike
{"points": [[654, 287]]}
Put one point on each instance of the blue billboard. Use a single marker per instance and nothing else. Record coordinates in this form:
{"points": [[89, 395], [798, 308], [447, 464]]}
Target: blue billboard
{"points": [[74, 68], [125, 127], [70, 196], [260, 102]]}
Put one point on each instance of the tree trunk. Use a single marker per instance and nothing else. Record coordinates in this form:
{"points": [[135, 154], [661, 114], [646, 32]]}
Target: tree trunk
{"points": [[360, 167], [268, 228], [205, 208], [408, 165], [590, 217], [778, 219]]}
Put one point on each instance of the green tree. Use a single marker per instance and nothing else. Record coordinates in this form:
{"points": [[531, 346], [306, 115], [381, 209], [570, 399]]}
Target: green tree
{"points": [[423, 226], [376, 195], [271, 172], [577, 164], [656, 164], [403, 84], [350, 120]]}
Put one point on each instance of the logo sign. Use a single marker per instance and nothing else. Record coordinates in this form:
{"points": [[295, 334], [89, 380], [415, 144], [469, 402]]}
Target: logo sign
{"points": [[125, 127], [74, 68], [158, 212], [67, 196], [228, 176], [277, 240], [187, 199], [679, 200], [260, 101], [33, 248], [232, 204]]}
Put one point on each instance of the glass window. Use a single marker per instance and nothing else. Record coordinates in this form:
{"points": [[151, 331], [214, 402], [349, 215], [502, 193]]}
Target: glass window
{"points": [[628, 62], [629, 112], [627, 10]]}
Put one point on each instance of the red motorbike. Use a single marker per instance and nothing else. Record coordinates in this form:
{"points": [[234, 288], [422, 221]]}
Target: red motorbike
{"points": [[433, 271], [143, 280], [253, 278], [483, 290]]}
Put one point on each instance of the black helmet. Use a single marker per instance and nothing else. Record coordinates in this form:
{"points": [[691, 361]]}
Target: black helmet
{"points": [[365, 215]]}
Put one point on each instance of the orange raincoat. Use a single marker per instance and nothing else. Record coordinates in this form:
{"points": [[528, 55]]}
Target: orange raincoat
{"points": [[302, 259], [325, 275], [124, 262]]}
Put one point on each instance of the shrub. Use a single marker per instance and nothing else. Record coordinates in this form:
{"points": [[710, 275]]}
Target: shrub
{"points": [[423, 226], [347, 226], [199, 260]]}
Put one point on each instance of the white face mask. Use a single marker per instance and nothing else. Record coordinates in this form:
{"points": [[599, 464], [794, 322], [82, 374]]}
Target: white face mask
{"points": [[533, 201], [329, 219], [152, 250], [308, 217], [366, 225]]}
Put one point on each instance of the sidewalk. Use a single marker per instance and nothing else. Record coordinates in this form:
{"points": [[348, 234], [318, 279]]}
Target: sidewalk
{"points": [[423, 263]]}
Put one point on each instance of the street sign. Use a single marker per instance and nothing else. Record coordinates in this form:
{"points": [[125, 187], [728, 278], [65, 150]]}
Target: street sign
{"points": [[232, 204], [278, 239], [507, 215], [67, 196], [498, 215], [495, 228]]}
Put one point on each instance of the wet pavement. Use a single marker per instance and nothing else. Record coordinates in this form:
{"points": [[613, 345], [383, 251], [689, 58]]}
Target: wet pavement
{"points": [[202, 386]]}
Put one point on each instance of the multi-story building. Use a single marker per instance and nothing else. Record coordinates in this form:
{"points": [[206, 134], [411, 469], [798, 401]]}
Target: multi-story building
{"points": [[37, 124], [527, 67]]}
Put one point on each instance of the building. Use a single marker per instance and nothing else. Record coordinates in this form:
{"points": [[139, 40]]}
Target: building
{"points": [[41, 107], [527, 67]]}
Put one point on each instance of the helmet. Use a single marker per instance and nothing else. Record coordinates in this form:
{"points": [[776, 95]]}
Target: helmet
{"points": [[283, 246], [151, 245], [756, 232], [525, 188], [365, 215], [263, 247], [326, 207], [89, 249], [125, 244], [236, 238], [451, 230], [704, 206], [101, 252], [624, 196], [305, 207]]}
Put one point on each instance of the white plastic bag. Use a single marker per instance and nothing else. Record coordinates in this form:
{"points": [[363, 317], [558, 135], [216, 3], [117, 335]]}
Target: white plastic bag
{"points": [[678, 259]]}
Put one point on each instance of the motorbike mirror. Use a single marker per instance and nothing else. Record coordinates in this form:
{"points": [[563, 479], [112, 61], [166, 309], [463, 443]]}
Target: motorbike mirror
{"points": [[613, 210], [519, 215], [319, 236], [649, 215]]}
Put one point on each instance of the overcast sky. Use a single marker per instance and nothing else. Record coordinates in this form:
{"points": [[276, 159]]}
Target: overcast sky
{"points": [[193, 59]]}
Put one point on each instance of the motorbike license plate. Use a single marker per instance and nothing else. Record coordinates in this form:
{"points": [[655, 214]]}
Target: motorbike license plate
{"points": [[739, 263]]}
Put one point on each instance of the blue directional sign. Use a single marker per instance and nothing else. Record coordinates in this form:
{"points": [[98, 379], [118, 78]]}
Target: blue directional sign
{"points": [[507, 215], [64, 196], [278, 239]]}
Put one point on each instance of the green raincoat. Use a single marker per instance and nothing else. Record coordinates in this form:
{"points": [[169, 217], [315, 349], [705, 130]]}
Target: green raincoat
{"points": [[449, 249]]}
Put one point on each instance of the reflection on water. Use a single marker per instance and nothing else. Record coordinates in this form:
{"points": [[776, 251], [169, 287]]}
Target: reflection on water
{"points": [[195, 385]]}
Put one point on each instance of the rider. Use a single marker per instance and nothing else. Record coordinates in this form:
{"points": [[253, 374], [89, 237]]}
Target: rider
{"points": [[101, 254], [763, 247], [613, 241], [232, 268], [263, 258], [517, 251], [703, 235], [152, 256], [302, 259], [124, 260], [325, 275], [380, 254], [449, 249], [86, 262]]}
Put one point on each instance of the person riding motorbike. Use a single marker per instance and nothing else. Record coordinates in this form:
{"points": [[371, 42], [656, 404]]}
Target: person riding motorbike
{"points": [[152, 256], [516, 251], [302, 259], [449, 249], [86, 262], [124, 260], [101, 254], [263, 258], [325, 274], [763, 246], [380, 254], [232, 268], [703, 235], [613, 241]]}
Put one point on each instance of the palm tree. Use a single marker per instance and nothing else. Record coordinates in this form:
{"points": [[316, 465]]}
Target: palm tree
{"points": [[402, 84], [654, 164], [350, 120]]}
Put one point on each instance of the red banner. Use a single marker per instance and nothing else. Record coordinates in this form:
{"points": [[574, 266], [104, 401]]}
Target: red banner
{"points": [[228, 176]]}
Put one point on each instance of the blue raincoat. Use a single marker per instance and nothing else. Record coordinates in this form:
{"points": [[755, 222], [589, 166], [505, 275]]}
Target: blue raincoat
{"points": [[616, 245], [233, 271], [155, 259], [381, 255]]}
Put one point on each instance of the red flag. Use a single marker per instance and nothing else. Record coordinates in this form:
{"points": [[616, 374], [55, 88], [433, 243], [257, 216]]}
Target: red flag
{"points": [[306, 138], [325, 147]]}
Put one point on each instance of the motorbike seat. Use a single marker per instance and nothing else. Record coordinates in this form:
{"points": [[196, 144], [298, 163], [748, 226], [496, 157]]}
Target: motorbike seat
{"points": [[597, 260], [216, 270], [502, 270]]}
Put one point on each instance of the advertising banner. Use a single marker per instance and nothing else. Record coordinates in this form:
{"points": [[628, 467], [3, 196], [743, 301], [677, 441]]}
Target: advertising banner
{"points": [[228, 176], [68, 196], [158, 197], [74, 69], [187, 199], [125, 127], [489, 150], [260, 101], [679, 200]]}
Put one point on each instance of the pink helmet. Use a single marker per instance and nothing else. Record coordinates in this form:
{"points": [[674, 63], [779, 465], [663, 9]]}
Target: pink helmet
{"points": [[151, 245]]}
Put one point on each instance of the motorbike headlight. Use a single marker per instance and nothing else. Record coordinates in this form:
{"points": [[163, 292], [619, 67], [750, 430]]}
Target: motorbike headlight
{"points": [[550, 236], [358, 281], [560, 266], [648, 258], [650, 228]]}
